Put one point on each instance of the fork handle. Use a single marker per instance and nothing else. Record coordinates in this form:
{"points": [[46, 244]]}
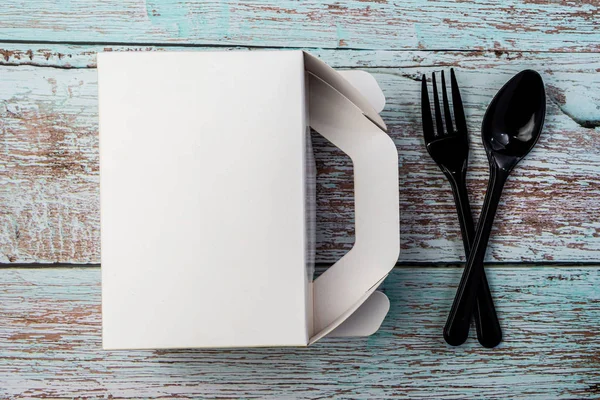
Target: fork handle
{"points": [[487, 325]]}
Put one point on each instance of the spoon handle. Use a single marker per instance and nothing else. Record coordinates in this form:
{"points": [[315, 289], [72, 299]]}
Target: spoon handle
{"points": [[489, 333], [486, 320], [457, 325]]}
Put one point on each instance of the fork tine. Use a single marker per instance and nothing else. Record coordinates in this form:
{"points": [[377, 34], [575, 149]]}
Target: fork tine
{"points": [[459, 112], [438, 113], [426, 112], [447, 116]]}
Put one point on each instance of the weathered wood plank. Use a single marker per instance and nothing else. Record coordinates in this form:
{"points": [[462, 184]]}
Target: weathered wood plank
{"points": [[365, 24], [50, 345], [49, 184], [49, 180]]}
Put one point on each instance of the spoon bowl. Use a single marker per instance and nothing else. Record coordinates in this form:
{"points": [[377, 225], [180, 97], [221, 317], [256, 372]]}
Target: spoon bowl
{"points": [[513, 121]]}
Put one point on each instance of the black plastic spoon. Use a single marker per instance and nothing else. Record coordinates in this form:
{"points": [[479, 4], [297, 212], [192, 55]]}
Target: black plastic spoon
{"points": [[511, 127]]}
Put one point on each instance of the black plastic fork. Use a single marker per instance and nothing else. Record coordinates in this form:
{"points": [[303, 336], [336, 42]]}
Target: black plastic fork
{"points": [[449, 148]]}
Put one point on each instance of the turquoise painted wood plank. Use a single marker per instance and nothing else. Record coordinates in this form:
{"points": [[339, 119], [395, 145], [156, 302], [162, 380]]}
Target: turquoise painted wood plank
{"points": [[365, 24], [49, 180], [50, 345]]}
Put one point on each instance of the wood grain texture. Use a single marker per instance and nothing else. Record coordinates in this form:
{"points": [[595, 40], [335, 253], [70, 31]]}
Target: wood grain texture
{"points": [[49, 184], [49, 188], [534, 25], [51, 346]]}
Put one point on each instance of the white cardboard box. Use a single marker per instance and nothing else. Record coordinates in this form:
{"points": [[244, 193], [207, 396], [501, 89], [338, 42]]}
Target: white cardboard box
{"points": [[205, 174]]}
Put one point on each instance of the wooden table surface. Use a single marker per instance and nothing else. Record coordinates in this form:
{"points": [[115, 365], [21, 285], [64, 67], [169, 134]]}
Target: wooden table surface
{"points": [[544, 252]]}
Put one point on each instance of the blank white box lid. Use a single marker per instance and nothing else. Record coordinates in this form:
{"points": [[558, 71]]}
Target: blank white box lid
{"points": [[203, 199]]}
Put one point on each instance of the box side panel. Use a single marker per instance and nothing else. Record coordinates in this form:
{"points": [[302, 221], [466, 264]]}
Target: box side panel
{"points": [[203, 199], [310, 169]]}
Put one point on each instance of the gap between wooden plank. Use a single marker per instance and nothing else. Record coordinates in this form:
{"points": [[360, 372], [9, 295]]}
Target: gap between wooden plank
{"points": [[225, 46], [436, 265]]}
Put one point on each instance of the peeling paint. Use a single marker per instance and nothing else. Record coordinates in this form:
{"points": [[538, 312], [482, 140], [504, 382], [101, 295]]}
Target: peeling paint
{"points": [[582, 106]]}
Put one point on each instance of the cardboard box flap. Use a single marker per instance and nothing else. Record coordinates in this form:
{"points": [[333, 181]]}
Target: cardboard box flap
{"points": [[366, 320], [347, 316], [366, 84], [318, 68], [349, 282]]}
